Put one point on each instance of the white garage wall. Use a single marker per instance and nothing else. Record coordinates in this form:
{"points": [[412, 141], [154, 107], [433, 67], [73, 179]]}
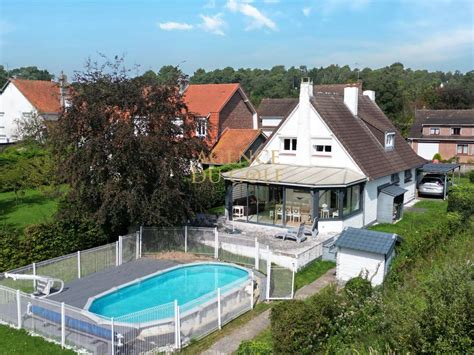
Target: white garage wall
{"points": [[427, 150]]}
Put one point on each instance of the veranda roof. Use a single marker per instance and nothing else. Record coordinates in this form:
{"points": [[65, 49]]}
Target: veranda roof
{"points": [[439, 168], [295, 175]]}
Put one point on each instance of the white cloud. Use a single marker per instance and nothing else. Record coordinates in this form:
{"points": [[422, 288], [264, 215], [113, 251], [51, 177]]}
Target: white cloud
{"points": [[180, 26], [256, 17], [306, 11], [435, 48], [213, 24]]}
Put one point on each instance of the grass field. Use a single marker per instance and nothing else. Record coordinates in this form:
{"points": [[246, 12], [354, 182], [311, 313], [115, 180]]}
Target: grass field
{"points": [[14, 341], [32, 207]]}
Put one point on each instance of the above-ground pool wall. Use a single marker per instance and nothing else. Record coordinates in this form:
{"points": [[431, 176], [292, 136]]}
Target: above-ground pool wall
{"points": [[352, 263]]}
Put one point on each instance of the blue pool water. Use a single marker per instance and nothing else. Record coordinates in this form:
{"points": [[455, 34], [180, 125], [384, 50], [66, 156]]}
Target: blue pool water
{"points": [[183, 284]]}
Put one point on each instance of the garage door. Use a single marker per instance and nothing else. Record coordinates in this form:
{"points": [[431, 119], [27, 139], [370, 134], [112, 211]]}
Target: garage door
{"points": [[427, 150]]}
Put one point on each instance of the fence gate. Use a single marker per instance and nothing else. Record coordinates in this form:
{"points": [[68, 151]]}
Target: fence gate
{"points": [[280, 282]]}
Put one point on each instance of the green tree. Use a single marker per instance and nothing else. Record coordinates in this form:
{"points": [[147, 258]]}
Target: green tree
{"points": [[124, 146]]}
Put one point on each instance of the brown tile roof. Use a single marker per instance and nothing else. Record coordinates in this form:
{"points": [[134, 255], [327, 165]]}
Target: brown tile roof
{"points": [[335, 88], [276, 107], [440, 117], [204, 99], [232, 144], [43, 95], [357, 136]]}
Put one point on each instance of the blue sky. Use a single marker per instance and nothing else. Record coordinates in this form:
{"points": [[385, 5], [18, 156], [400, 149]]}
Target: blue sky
{"points": [[62, 34]]}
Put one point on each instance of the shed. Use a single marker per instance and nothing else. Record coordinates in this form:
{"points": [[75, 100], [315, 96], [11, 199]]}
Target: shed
{"points": [[361, 252], [390, 203]]}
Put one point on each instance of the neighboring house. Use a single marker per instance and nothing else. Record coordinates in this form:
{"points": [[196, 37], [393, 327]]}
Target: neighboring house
{"points": [[236, 145], [272, 111], [336, 160], [219, 106], [364, 253], [447, 132], [21, 99]]}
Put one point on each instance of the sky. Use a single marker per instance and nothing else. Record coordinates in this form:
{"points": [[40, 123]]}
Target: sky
{"points": [[62, 34]]}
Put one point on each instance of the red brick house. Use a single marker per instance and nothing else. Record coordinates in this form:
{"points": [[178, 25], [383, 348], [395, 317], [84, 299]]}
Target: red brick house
{"points": [[220, 107], [447, 132]]}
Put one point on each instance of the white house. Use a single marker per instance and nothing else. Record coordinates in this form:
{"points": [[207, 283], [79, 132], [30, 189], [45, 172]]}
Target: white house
{"points": [[21, 99], [364, 253], [336, 159]]}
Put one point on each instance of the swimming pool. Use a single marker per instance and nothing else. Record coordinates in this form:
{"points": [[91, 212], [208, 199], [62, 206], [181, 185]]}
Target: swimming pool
{"points": [[184, 283]]}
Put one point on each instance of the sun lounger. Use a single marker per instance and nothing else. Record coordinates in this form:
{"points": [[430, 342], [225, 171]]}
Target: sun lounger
{"points": [[296, 235]]}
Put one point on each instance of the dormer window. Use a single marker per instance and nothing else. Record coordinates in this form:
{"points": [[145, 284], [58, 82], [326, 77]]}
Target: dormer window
{"points": [[389, 140], [434, 131], [201, 127]]}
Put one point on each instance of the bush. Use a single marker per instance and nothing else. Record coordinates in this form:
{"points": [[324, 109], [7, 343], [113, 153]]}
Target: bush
{"points": [[49, 240], [254, 348], [461, 200], [10, 255], [471, 176], [437, 157]]}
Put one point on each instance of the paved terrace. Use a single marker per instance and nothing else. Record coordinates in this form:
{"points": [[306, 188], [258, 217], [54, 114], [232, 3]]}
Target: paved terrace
{"points": [[77, 292], [265, 235]]}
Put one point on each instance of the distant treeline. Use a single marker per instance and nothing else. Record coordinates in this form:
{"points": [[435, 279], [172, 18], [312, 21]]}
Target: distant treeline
{"points": [[399, 90]]}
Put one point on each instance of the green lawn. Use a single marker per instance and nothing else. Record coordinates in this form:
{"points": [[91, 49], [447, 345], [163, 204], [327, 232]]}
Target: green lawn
{"points": [[33, 207], [311, 272], [13, 341]]}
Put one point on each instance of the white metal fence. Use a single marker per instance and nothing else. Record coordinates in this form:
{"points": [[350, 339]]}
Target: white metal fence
{"points": [[157, 329]]}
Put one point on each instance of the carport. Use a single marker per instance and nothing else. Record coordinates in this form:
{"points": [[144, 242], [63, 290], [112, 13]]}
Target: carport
{"points": [[442, 169]]}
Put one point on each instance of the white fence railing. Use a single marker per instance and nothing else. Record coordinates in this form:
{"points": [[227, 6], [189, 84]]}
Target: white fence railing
{"points": [[157, 329]]}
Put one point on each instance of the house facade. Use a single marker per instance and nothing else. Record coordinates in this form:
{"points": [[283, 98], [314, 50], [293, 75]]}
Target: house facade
{"points": [[449, 133], [219, 107], [21, 100], [335, 161]]}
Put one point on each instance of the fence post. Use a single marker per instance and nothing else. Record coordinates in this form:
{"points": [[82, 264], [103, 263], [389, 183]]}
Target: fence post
{"points": [[63, 325], [269, 271], [185, 238], [117, 253], [137, 246], [293, 281], [251, 290], [216, 244], [219, 310], [141, 240], [120, 243], [34, 274], [177, 326], [79, 264], [257, 254], [113, 336], [18, 308]]}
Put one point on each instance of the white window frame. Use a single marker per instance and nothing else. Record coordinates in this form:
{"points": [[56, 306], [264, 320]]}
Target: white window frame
{"points": [[464, 148], [434, 131], [327, 149], [389, 140], [293, 144], [2, 116], [455, 134], [201, 127]]}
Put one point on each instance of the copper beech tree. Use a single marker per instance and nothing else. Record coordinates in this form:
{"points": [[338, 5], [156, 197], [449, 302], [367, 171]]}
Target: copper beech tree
{"points": [[125, 147]]}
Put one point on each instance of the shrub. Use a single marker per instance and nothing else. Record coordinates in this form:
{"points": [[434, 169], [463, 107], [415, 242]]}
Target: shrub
{"points": [[471, 176], [48, 240], [437, 157], [10, 255], [254, 348], [294, 328], [461, 200]]}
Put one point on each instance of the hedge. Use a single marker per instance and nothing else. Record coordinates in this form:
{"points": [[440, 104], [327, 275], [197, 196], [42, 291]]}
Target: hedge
{"points": [[461, 200]]}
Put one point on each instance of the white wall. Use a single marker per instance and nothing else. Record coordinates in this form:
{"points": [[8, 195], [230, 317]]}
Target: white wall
{"points": [[305, 124], [370, 199], [351, 263], [427, 150], [13, 104]]}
